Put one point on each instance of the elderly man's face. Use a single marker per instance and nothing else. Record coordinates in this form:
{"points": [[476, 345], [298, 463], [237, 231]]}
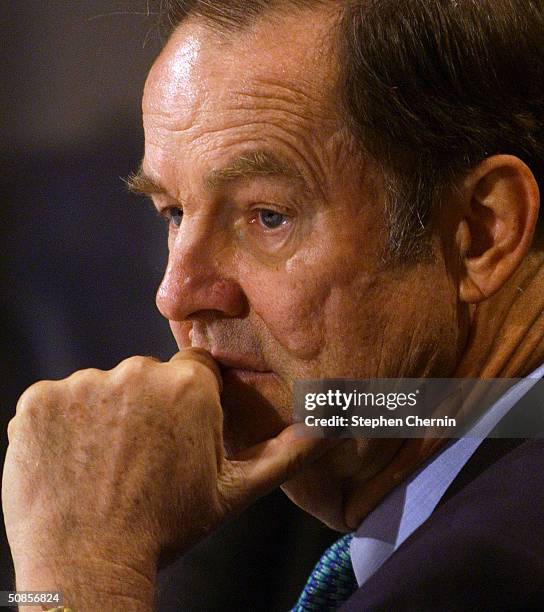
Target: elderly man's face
{"points": [[276, 228]]}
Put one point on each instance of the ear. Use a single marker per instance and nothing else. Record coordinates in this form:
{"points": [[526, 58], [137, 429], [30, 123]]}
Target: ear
{"points": [[495, 233]]}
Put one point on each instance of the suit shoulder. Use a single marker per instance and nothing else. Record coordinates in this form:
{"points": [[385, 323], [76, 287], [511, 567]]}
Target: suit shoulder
{"points": [[483, 548]]}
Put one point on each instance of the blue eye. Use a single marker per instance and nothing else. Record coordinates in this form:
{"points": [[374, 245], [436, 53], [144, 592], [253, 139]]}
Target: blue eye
{"points": [[271, 219], [175, 216]]}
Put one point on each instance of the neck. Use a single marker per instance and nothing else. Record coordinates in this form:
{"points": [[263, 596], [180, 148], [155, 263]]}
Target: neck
{"points": [[507, 331], [506, 339]]}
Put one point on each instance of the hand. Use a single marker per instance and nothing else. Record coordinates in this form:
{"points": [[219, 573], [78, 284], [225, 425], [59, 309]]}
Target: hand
{"points": [[106, 471]]}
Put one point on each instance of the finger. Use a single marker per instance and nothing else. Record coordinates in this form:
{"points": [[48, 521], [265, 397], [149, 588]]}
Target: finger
{"points": [[265, 466], [203, 357]]}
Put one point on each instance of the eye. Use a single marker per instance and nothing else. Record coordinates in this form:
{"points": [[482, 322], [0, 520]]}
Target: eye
{"points": [[174, 216], [270, 219]]}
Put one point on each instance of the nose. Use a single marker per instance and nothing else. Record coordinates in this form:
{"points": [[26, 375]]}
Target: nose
{"points": [[195, 281]]}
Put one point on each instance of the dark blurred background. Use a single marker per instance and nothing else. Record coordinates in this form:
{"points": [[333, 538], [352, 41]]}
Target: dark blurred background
{"points": [[81, 260]]}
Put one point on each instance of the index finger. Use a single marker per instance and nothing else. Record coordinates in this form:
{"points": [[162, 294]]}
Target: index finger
{"points": [[202, 356], [267, 465]]}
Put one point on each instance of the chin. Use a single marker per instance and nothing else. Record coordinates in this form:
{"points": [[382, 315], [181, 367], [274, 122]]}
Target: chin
{"points": [[253, 412]]}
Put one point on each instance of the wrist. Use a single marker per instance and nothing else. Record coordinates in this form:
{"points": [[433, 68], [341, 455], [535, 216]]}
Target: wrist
{"points": [[89, 584]]}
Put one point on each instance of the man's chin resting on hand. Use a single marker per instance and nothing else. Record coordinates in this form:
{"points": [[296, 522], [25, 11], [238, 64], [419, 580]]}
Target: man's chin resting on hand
{"points": [[351, 191]]}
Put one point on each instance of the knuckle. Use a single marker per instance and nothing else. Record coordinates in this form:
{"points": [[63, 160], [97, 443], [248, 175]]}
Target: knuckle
{"points": [[232, 487], [83, 378], [295, 464], [179, 383], [189, 379], [134, 366], [190, 371], [11, 429], [195, 372], [35, 397], [82, 388]]}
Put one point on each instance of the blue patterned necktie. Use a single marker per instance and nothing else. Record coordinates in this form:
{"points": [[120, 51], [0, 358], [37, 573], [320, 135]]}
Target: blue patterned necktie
{"points": [[332, 582]]}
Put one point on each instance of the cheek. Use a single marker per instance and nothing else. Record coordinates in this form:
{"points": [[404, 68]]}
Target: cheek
{"points": [[290, 307], [300, 301], [354, 324], [288, 299]]}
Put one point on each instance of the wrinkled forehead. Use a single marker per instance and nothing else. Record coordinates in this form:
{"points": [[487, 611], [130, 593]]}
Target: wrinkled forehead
{"points": [[288, 55]]}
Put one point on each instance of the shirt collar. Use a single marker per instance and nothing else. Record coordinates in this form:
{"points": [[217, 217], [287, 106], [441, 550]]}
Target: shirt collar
{"points": [[411, 503]]}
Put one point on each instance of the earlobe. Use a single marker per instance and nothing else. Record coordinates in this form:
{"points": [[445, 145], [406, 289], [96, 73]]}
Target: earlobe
{"points": [[497, 230]]}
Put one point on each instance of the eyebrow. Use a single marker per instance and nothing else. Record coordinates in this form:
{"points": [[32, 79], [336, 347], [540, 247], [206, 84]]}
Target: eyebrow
{"points": [[252, 164], [141, 183]]}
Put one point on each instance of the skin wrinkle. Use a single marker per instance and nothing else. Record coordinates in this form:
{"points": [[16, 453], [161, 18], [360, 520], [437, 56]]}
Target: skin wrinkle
{"points": [[380, 352], [297, 94], [275, 109], [531, 342], [274, 102], [498, 320], [288, 141], [522, 335], [200, 138], [282, 92]]}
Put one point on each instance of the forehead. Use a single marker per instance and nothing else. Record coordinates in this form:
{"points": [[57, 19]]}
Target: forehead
{"points": [[286, 57]]}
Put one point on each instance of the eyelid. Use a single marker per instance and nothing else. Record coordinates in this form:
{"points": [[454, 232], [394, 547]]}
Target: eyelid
{"points": [[282, 210], [163, 210], [256, 210], [164, 213]]}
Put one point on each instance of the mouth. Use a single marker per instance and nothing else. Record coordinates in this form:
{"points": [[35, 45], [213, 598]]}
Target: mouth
{"points": [[241, 367]]}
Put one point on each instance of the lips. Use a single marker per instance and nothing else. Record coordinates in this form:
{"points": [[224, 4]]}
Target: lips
{"points": [[242, 363]]}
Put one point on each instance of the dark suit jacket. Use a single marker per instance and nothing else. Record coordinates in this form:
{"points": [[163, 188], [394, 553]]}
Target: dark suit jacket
{"points": [[483, 546]]}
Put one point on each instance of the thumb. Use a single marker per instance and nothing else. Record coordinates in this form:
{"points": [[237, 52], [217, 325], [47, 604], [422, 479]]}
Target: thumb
{"points": [[258, 470], [202, 356]]}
